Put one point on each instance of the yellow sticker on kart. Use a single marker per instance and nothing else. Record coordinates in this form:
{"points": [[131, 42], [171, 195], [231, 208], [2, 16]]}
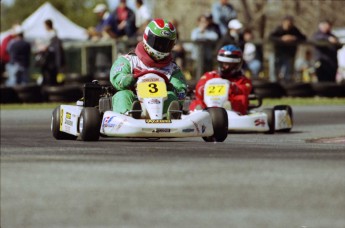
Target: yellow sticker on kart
{"points": [[152, 89], [215, 90]]}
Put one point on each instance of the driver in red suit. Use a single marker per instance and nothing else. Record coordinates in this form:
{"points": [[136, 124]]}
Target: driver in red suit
{"points": [[230, 62]]}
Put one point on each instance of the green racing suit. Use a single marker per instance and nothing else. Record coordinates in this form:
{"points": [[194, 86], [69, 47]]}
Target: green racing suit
{"points": [[122, 78]]}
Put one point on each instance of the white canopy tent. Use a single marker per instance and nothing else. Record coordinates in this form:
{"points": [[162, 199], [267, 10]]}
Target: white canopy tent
{"points": [[34, 28]]}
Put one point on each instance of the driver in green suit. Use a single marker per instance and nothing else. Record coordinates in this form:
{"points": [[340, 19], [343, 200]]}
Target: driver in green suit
{"points": [[151, 54]]}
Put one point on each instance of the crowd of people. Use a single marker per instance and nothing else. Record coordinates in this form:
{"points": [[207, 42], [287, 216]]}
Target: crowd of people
{"points": [[215, 29], [222, 26]]}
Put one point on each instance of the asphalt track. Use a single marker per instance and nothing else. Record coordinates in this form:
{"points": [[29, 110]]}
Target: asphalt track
{"points": [[250, 180]]}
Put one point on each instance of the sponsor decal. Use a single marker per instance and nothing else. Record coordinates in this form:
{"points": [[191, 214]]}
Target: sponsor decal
{"points": [[259, 122], [151, 80], [61, 118], [196, 127], [157, 121], [165, 33], [187, 130], [118, 67], [107, 122], [203, 128], [161, 130], [69, 122], [68, 115], [154, 101]]}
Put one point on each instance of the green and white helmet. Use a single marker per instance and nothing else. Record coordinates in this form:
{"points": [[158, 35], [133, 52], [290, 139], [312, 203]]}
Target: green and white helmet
{"points": [[159, 38]]}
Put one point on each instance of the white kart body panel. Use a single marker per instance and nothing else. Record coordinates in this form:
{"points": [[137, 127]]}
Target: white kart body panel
{"points": [[153, 106], [152, 124], [119, 125], [212, 96], [254, 121], [69, 116]]}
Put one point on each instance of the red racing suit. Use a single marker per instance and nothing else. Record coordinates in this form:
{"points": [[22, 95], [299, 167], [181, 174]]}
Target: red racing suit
{"points": [[240, 88]]}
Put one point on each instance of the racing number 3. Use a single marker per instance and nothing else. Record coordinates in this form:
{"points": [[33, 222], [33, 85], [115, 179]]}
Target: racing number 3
{"points": [[152, 89]]}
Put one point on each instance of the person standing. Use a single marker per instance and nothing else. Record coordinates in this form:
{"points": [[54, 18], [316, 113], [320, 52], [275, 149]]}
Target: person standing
{"points": [[53, 55], [142, 17], [326, 47], [285, 39], [206, 40], [105, 29], [222, 12], [19, 51], [124, 21]]}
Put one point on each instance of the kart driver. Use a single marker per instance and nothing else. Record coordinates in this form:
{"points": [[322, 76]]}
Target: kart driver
{"points": [[153, 53], [230, 61]]}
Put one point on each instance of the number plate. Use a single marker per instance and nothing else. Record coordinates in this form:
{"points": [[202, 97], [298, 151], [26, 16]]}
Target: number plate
{"points": [[152, 89], [215, 90]]}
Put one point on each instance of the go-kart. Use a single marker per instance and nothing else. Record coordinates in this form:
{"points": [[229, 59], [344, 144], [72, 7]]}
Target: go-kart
{"points": [[93, 117], [268, 120]]}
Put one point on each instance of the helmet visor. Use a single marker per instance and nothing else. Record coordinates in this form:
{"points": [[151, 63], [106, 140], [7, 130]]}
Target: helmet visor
{"points": [[160, 44]]}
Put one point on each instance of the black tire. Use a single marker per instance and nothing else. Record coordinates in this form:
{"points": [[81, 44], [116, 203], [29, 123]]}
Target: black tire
{"points": [[55, 127], [89, 124], [65, 93], [30, 93], [265, 89], [298, 89], [289, 110], [329, 89], [220, 125], [8, 95], [271, 120]]}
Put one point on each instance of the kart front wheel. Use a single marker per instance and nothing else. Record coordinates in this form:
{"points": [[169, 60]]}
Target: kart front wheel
{"points": [[55, 126], [220, 125], [289, 113], [90, 124], [271, 120]]}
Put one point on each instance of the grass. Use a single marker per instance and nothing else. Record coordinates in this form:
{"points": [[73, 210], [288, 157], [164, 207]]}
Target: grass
{"points": [[314, 101]]}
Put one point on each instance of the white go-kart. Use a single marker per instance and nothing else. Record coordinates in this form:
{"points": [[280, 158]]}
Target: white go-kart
{"points": [[93, 117], [268, 120]]}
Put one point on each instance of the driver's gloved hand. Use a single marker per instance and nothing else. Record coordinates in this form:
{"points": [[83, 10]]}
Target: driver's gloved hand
{"points": [[127, 81], [170, 87]]}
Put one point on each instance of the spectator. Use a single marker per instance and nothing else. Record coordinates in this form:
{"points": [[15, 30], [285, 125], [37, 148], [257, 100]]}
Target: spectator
{"points": [[212, 25], [105, 28], [204, 34], [326, 52], [124, 20], [305, 67], [285, 39], [223, 12], [19, 51], [142, 17], [4, 56], [178, 51], [233, 36], [252, 54], [52, 56]]}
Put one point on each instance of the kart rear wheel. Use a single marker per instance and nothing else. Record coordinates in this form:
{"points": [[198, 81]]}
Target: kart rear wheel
{"points": [[220, 125], [89, 124], [55, 127], [271, 120], [290, 113]]}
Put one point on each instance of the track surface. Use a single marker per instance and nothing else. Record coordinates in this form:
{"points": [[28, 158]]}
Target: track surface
{"points": [[251, 180]]}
